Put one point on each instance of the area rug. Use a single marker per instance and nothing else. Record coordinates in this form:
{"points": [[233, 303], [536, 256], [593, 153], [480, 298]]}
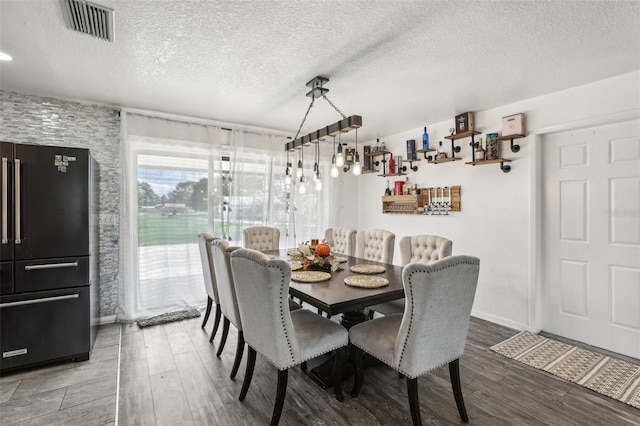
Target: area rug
{"points": [[608, 376], [170, 317]]}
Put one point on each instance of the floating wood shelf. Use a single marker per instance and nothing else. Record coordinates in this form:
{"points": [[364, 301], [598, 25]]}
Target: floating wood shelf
{"points": [[367, 171], [514, 148], [462, 135], [504, 167], [414, 204], [444, 160]]}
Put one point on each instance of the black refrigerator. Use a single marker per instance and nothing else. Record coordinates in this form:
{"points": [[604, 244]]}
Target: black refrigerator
{"points": [[48, 255]]}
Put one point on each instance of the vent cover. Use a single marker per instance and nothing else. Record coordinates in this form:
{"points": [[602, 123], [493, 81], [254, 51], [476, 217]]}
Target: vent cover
{"points": [[89, 18]]}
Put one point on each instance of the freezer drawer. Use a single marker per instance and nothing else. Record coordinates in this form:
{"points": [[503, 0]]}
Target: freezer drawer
{"points": [[6, 278], [46, 326], [51, 274]]}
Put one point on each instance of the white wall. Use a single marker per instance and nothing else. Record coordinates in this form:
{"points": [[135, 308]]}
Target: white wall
{"points": [[498, 221]]}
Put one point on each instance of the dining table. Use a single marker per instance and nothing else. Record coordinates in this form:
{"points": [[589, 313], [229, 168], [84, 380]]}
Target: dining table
{"points": [[333, 296]]}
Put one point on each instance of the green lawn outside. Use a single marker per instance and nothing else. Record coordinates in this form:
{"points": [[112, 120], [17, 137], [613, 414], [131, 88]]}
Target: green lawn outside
{"points": [[156, 229]]}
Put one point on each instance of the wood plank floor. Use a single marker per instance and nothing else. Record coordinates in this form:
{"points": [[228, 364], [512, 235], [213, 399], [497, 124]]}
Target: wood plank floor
{"points": [[169, 375]]}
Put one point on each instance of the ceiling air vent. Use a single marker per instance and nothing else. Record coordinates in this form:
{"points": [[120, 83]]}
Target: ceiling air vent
{"points": [[89, 18]]}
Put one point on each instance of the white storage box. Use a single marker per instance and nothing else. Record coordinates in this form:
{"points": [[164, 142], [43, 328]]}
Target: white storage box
{"points": [[513, 125]]}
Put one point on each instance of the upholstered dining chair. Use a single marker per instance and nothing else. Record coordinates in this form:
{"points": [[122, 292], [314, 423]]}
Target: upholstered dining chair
{"points": [[210, 285], [284, 338], [431, 332], [376, 245], [261, 238], [343, 240], [416, 248], [228, 301]]}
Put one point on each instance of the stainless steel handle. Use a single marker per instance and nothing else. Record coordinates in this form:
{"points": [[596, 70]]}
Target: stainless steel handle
{"points": [[5, 200], [43, 300], [51, 266], [17, 201]]}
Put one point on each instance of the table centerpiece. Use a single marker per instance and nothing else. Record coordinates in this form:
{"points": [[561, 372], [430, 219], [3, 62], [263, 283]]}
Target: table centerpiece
{"points": [[315, 258]]}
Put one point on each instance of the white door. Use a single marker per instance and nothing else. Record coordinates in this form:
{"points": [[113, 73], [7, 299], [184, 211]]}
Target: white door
{"points": [[591, 236]]}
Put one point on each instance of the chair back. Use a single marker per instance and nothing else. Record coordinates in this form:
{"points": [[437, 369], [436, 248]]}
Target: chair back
{"points": [[261, 238], [376, 245], [226, 286], [424, 248], [343, 240], [210, 285], [434, 327], [262, 287]]}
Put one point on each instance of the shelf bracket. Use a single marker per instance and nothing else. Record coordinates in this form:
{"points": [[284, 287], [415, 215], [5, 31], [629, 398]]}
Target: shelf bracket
{"points": [[505, 167], [427, 157], [411, 166], [514, 147]]}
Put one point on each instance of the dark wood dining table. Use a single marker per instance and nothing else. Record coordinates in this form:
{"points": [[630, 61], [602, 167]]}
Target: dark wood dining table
{"points": [[333, 296]]}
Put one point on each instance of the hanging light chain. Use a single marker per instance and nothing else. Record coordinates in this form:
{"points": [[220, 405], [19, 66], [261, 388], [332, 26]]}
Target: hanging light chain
{"points": [[334, 107], [313, 99]]}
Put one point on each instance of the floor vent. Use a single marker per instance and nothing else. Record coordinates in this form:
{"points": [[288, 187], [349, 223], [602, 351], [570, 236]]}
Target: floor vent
{"points": [[89, 18]]}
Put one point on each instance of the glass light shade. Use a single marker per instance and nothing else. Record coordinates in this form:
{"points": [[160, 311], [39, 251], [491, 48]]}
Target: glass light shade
{"points": [[302, 188], [318, 185], [357, 169], [287, 179], [340, 160], [334, 171]]}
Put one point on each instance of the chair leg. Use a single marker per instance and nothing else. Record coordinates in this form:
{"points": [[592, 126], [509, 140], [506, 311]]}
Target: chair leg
{"points": [[225, 332], [358, 373], [283, 375], [216, 323], [303, 366], [370, 314], [239, 352], [248, 374], [454, 374], [338, 367], [208, 311], [414, 403]]}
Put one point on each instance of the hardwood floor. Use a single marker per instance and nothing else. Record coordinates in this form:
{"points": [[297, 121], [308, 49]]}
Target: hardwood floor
{"points": [[169, 375]]}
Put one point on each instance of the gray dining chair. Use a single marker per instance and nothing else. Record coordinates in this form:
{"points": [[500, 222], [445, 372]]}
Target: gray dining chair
{"points": [[261, 238], [376, 245], [210, 285], [431, 332], [342, 240], [284, 338], [416, 248], [228, 301]]}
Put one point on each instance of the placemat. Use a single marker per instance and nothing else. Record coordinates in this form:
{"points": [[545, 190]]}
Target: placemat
{"points": [[367, 269], [365, 281], [295, 266], [310, 276], [340, 259]]}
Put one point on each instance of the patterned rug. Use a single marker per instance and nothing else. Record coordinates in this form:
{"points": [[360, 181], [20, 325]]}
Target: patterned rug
{"points": [[609, 376], [170, 317]]}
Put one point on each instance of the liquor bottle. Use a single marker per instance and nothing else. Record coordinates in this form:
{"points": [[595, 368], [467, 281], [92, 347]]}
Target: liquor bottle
{"points": [[441, 151], [425, 139], [407, 187], [388, 190], [377, 147], [392, 165], [414, 191], [479, 151]]}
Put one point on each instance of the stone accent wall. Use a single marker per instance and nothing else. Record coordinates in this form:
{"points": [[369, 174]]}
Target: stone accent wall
{"points": [[49, 121]]}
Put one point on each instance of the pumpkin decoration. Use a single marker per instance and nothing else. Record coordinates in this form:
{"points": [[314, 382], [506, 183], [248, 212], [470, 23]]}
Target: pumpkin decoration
{"points": [[323, 250]]}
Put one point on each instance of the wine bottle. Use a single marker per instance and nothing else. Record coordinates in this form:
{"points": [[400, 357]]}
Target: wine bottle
{"points": [[392, 165], [441, 151], [479, 151], [388, 190], [425, 139]]}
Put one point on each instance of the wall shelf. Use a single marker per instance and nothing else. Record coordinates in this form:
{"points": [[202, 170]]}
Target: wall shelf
{"points": [[514, 148], [434, 199], [424, 152], [504, 167], [411, 166]]}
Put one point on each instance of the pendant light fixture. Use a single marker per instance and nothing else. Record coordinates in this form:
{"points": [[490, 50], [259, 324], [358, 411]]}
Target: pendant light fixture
{"points": [[287, 172], [357, 169], [334, 167], [316, 169], [340, 156], [302, 188]]}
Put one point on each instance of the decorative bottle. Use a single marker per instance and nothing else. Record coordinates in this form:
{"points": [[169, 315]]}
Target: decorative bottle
{"points": [[441, 151], [407, 187], [425, 139], [414, 191], [392, 165], [479, 151]]}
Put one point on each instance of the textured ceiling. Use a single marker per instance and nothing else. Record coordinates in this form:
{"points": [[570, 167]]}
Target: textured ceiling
{"points": [[399, 64]]}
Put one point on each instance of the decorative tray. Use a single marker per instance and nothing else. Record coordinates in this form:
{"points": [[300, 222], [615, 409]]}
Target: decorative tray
{"points": [[340, 259], [365, 281], [367, 269], [310, 276], [295, 266]]}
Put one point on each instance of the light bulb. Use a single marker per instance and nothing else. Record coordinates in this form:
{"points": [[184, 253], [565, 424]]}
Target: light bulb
{"points": [[334, 171], [357, 169], [339, 160], [303, 186], [299, 170], [316, 176], [318, 185], [287, 179]]}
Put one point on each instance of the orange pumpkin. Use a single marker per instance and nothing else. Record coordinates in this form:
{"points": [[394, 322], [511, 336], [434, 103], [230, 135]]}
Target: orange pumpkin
{"points": [[323, 250]]}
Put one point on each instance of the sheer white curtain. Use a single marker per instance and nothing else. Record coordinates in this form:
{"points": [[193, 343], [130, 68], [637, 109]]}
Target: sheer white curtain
{"points": [[179, 179]]}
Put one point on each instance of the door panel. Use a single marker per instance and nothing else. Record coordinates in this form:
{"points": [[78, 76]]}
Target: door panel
{"points": [[591, 236], [54, 202]]}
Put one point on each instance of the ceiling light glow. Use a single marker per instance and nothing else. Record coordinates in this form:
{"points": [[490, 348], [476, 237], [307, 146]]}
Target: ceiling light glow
{"points": [[5, 57]]}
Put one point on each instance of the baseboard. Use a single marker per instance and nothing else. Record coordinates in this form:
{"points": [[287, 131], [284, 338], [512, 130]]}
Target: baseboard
{"points": [[500, 320], [107, 320]]}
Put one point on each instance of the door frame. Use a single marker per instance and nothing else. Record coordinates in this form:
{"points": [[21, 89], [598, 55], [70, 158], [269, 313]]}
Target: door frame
{"points": [[535, 202]]}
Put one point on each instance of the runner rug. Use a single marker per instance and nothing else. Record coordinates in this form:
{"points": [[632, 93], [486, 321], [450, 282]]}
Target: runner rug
{"points": [[609, 376]]}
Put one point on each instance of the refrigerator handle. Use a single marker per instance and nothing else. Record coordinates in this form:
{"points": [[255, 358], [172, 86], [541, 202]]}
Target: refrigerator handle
{"points": [[5, 200], [17, 201], [33, 301]]}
